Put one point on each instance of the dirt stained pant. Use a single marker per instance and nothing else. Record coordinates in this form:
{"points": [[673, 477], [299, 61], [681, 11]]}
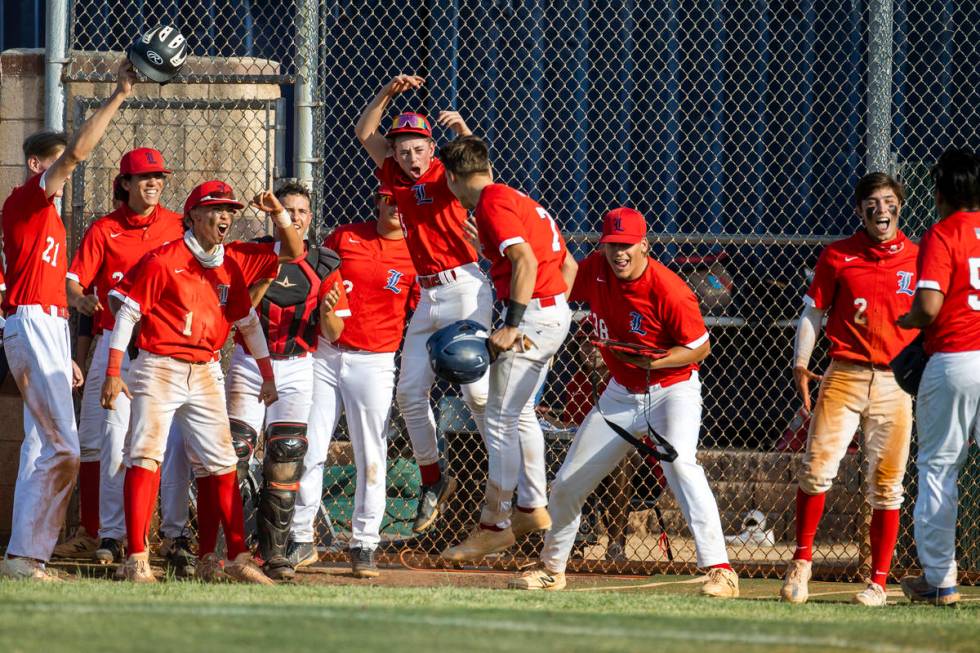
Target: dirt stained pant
{"points": [[513, 434], [675, 413], [38, 347], [358, 384], [947, 417], [853, 395]]}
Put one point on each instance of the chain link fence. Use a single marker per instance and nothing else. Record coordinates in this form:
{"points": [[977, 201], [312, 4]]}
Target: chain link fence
{"points": [[738, 129]]}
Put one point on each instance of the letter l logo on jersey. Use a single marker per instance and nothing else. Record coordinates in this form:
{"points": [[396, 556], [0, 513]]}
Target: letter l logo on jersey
{"points": [[905, 284], [420, 196], [394, 276], [636, 321]]}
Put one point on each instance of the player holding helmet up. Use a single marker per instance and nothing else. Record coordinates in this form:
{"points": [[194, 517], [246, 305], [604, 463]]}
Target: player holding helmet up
{"points": [[863, 283], [531, 272], [185, 296], [306, 295], [636, 300], [453, 287], [36, 338]]}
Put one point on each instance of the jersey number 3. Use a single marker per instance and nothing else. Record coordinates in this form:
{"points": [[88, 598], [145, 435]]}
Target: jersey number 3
{"points": [[50, 254]]}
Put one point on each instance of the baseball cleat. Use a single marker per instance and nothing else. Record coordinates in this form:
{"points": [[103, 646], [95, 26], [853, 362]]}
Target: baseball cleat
{"points": [[137, 568], [918, 590], [82, 545], [110, 551], [721, 583], [362, 563], [525, 523], [180, 559], [279, 568], [538, 579], [26, 569], [432, 502], [210, 569], [481, 542], [302, 554], [873, 596], [795, 588], [244, 570]]}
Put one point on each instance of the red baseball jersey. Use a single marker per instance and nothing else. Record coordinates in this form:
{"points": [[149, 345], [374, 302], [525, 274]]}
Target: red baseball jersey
{"points": [[865, 286], [380, 282], [949, 261], [656, 310], [257, 260], [113, 245], [35, 248], [432, 217], [187, 309], [506, 217]]}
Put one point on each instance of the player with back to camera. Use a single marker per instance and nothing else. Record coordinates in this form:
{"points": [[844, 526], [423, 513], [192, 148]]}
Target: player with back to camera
{"points": [[185, 296], [862, 284], [947, 307], [453, 287], [36, 337], [637, 300], [532, 273], [355, 374]]}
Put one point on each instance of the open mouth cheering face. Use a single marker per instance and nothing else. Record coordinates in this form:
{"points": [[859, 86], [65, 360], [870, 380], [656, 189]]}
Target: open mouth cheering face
{"points": [[880, 212], [211, 224]]}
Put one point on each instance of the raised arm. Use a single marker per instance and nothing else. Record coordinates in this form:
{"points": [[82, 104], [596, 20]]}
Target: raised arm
{"points": [[88, 134], [367, 125], [290, 240]]}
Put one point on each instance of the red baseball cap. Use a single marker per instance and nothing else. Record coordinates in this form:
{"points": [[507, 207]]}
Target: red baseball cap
{"points": [[385, 189], [623, 225], [410, 123], [142, 161], [211, 193]]}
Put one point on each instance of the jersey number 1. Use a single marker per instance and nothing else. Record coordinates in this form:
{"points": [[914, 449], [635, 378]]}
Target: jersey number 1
{"points": [[556, 241], [50, 254], [188, 319], [974, 300]]}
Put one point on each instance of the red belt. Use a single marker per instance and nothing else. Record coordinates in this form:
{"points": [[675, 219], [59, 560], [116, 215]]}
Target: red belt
{"points": [[50, 309], [433, 280], [642, 389], [546, 302]]}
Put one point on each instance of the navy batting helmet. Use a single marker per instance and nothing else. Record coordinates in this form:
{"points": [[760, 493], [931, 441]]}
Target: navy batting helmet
{"points": [[458, 353], [159, 54]]}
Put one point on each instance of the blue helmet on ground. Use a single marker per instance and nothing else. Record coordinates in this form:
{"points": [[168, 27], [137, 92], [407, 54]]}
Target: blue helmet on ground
{"points": [[458, 353]]}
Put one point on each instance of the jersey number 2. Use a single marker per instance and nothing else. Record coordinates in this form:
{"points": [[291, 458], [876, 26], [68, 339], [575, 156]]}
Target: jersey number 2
{"points": [[556, 241], [50, 254], [862, 305]]}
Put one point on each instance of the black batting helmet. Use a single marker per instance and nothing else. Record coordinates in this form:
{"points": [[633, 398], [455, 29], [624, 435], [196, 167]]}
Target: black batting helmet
{"points": [[458, 353], [159, 54]]}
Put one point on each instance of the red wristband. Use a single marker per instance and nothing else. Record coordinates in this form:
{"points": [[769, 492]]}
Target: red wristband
{"points": [[115, 362], [265, 368]]}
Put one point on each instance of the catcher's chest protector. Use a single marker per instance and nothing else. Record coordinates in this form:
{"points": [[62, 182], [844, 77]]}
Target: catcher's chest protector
{"points": [[288, 311]]}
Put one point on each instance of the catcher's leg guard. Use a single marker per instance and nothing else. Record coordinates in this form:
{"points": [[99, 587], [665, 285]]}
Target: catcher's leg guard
{"points": [[285, 446], [243, 438]]}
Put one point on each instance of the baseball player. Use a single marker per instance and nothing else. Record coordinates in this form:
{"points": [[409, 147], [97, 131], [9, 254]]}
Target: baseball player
{"points": [[355, 374], [946, 306], [531, 273], [185, 296], [36, 337], [111, 246], [862, 284], [290, 311], [634, 299], [453, 287], [259, 262]]}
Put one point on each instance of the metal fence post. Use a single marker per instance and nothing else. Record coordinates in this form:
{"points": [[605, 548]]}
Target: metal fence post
{"points": [[880, 24], [306, 69], [56, 35]]}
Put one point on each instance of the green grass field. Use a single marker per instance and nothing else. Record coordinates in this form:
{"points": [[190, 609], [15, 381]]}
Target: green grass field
{"points": [[603, 615]]}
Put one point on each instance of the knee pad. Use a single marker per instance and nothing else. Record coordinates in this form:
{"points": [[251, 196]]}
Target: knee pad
{"points": [[285, 447], [243, 438]]}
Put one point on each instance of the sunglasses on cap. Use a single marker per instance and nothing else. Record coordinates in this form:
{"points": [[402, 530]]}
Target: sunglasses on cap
{"points": [[410, 121]]}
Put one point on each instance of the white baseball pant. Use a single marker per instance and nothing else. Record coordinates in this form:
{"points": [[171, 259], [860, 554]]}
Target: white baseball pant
{"points": [[947, 416], [38, 350], [91, 419], [168, 391], [513, 434], [675, 413], [359, 384], [465, 295]]}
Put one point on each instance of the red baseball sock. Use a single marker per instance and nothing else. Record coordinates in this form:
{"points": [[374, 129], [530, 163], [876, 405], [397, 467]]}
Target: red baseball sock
{"points": [[809, 508], [207, 516], [723, 565], [884, 534], [88, 496], [139, 498], [229, 502], [430, 474]]}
